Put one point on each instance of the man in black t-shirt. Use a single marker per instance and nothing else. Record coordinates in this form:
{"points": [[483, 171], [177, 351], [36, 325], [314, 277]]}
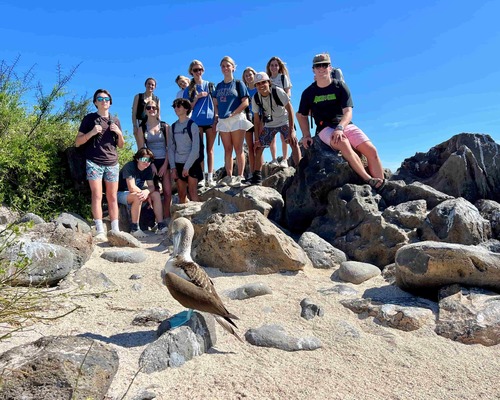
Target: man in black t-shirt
{"points": [[329, 101], [131, 191]]}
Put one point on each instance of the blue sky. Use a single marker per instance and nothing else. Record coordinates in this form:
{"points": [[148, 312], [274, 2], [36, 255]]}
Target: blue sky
{"points": [[419, 72]]}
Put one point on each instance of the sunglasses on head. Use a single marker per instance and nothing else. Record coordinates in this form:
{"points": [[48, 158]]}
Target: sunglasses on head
{"points": [[145, 159], [151, 108], [103, 98], [198, 69], [322, 65]]}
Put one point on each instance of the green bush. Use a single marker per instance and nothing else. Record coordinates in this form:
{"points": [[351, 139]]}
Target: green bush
{"points": [[34, 175]]}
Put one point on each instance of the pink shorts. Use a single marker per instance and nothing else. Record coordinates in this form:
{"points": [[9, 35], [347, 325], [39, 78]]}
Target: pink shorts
{"points": [[355, 135]]}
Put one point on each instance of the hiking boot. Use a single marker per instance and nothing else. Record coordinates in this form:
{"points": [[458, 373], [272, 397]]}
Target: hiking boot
{"points": [[138, 233], [256, 178]]}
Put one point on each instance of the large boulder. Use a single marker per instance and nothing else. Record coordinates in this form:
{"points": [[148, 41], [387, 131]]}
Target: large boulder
{"points": [[58, 367], [490, 210], [427, 266], [247, 242], [467, 165], [456, 221]]}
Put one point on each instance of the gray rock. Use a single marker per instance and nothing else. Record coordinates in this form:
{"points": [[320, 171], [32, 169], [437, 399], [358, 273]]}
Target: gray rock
{"points": [[152, 317], [456, 221], [122, 256], [321, 253], [490, 210], [275, 336], [122, 239], [30, 217], [135, 277], [73, 222], [249, 290], [409, 215], [357, 272], [58, 367], [310, 309], [89, 279], [427, 266], [173, 348], [8, 216], [46, 264], [470, 316], [342, 290]]}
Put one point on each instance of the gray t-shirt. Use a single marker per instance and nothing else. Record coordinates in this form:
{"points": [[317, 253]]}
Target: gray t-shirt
{"points": [[182, 147], [279, 113], [157, 143]]}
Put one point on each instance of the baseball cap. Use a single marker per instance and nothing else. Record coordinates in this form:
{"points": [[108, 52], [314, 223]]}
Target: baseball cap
{"points": [[261, 76], [321, 59]]}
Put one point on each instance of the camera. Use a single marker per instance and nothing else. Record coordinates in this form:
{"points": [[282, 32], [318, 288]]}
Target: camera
{"points": [[267, 118]]}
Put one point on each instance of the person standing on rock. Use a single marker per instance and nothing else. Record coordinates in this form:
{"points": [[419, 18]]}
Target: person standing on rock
{"points": [[330, 103], [133, 176], [273, 114], [139, 114], [100, 135]]}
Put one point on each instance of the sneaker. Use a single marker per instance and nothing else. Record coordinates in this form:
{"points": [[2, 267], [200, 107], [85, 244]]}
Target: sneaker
{"points": [[161, 231], [225, 181], [101, 237], [236, 181], [138, 234], [210, 183], [284, 163], [274, 163], [201, 184]]}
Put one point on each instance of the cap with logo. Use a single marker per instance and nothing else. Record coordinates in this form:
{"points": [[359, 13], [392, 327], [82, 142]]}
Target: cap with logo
{"points": [[260, 77]]}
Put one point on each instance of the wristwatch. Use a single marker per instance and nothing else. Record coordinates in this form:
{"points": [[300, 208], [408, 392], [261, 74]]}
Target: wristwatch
{"points": [[339, 128]]}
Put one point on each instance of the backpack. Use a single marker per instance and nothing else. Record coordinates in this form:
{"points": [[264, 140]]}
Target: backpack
{"points": [[337, 74], [189, 125], [163, 128], [274, 94]]}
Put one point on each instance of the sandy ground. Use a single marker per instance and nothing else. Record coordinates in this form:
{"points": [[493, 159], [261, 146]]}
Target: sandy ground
{"points": [[359, 359]]}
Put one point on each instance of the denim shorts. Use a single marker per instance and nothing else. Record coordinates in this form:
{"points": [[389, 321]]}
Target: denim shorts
{"points": [[269, 133], [98, 172]]}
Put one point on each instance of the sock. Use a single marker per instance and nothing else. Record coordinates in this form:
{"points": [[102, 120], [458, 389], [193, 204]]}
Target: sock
{"points": [[115, 226], [210, 176], [99, 226], [134, 227]]}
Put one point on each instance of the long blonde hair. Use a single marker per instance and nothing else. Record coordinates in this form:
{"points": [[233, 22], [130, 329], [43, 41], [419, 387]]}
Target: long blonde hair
{"points": [[245, 71], [229, 60], [283, 69]]}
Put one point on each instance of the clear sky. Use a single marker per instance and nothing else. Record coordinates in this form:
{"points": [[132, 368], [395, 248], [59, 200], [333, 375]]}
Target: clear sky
{"points": [[419, 72]]}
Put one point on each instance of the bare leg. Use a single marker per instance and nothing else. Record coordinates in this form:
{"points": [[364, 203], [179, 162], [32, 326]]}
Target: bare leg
{"points": [[251, 150], [238, 137], [374, 163], [227, 142], [351, 157], [284, 147], [193, 188], [211, 135], [157, 205], [96, 189], [272, 148], [167, 193], [112, 197], [182, 191]]}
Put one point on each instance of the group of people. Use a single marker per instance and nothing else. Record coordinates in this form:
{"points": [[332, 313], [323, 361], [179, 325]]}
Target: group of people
{"points": [[254, 109]]}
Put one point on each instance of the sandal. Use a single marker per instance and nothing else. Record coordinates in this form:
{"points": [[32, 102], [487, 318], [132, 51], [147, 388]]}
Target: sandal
{"points": [[377, 183]]}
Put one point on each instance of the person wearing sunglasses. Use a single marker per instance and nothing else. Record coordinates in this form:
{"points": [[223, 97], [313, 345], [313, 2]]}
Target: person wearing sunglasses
{"points": [[184, 152], [230, 100], [139, 114], [99, 135], [199, 93], [153, 135], [131, 191], [329, 100], [248, 79]]}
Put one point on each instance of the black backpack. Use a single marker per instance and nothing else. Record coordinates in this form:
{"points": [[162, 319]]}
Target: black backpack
{"points": [[188, 128], [274, 94]]}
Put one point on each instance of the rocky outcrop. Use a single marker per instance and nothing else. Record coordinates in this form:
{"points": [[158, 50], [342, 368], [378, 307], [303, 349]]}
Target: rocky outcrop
{"points": [[467, 165]]}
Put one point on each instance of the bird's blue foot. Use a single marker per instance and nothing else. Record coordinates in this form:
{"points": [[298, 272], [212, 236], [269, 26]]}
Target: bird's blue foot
{"points": [[180, 319]]}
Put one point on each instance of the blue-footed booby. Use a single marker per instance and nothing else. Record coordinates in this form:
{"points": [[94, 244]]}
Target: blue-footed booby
{"points": [[189, 284]]}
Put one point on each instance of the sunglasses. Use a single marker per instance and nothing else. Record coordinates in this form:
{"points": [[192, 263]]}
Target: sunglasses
{"points": [[102, 99], [322, 65], [177, 105], [145, 159], [198, 70], [151, 108]]}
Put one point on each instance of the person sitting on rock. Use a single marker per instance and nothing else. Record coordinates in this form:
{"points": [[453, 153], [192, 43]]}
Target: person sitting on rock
{"points": [[273, 114], [329, 101], [131, 191]]}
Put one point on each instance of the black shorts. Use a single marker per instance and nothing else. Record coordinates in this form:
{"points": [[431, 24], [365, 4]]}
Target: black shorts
{"points": [[204, 128], [194, 172]]}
